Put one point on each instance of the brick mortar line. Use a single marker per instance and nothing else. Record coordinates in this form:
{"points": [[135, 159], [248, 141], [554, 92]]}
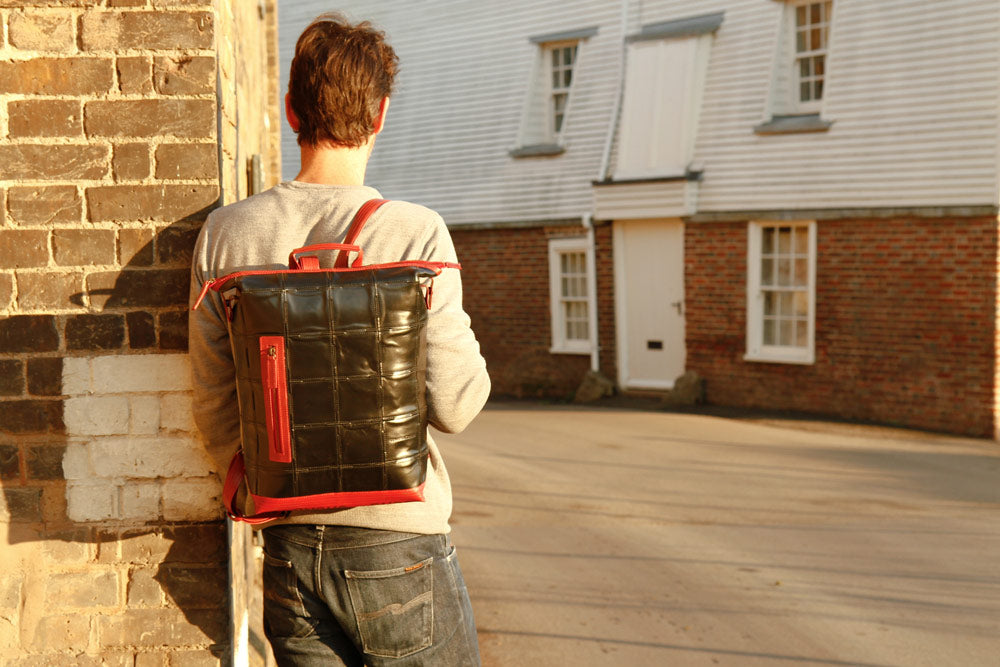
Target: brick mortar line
{"points": [[112, 96], [102, 141], [11, 54], [148, 182], [86, 354], [85, 310]]}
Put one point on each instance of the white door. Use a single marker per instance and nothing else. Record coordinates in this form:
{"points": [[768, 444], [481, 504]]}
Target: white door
{"points": [[649, 302]]}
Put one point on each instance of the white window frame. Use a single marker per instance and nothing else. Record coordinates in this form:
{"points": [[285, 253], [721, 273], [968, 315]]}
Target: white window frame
{"points": [[554, 133], [756, 349], [560, 344], [537, 135], [795, 76]]}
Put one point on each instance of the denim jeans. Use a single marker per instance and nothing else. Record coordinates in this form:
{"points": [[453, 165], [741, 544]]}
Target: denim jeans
{"points": [[336, 595]]}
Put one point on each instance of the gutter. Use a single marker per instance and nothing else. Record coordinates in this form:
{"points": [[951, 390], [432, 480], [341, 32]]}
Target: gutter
{"points": [[587, 220]]}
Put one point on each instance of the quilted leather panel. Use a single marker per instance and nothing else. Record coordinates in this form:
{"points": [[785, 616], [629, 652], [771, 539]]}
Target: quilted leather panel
{"points": [[355, 370]]}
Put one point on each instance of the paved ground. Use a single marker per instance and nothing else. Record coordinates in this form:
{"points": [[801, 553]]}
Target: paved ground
{"points": [[617, 537]]}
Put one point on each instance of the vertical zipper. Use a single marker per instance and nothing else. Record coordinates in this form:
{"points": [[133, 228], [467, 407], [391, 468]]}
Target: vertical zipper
{"points": [[272, 371]]}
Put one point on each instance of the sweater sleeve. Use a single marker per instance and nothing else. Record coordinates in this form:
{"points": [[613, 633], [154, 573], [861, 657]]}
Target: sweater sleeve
{"points": [[215, 409], [457, 382]]}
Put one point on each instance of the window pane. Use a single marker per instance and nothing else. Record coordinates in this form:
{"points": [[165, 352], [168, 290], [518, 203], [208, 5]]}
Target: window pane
{"points": [[804, 94], [786, 307], [768, 239], [555, 79], [818, 64], [817, 13], [800, 16], [563, 263], [784, 272], [767, 272], [802, 240], [784, 240], [801, 304], [770, 304], [816, 37], [819, 89], [801, 334], [555, 58], [801, 272], [787, 329], [567, 77], [800, 41], [804, 68], [769, 329]]}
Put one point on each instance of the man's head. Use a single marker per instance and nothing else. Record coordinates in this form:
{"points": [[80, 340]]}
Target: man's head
{"points": [[340, 75]]}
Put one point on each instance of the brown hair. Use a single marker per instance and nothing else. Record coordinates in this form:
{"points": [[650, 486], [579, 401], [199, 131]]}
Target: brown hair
{"points": [[339, 75]]}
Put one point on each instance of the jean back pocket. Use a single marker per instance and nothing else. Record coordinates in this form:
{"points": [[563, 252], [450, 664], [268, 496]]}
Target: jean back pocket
{"points": [[394, 609]]}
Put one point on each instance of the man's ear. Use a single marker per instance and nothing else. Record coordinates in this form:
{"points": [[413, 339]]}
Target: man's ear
{"points": [[383, 107], [293, 120]]}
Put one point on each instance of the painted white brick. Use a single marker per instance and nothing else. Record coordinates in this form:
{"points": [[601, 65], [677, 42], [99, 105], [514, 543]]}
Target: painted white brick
{"points": [[145, 372], [91, 501], [145, 414], [192, 499], [96, 415], [140, 500], [76, 462], [76, 376], [149, 457], [175, 412]]}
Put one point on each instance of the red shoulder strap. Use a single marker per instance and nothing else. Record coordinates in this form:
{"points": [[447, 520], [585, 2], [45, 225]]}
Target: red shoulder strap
{"points": [[360, 218]]}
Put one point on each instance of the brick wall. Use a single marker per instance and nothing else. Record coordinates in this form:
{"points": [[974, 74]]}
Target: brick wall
{"points": [[505, 277], [905, 323], [109, 162]]}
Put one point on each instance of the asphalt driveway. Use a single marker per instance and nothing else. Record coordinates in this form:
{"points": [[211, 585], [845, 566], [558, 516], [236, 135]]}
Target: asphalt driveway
{"points": [[617, 537]]}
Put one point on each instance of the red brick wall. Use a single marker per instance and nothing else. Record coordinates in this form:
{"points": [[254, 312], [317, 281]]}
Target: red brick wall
{"points": [[505, 274], [905, 323]]}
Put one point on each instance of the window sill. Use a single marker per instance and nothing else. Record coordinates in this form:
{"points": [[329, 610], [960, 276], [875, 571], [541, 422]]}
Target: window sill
{"points": [[566, 349], [793, 124], [797, 357], [538, 150]]}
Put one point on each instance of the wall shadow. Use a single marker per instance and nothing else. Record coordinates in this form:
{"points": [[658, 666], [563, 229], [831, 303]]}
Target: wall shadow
{"points": [[173, 568]]}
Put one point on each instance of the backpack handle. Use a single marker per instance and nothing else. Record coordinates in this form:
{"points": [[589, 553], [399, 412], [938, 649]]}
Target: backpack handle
{"points": [[293, 261]]}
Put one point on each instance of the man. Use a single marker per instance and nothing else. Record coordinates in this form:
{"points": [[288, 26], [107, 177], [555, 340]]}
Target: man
{"points": [[375, 585]]}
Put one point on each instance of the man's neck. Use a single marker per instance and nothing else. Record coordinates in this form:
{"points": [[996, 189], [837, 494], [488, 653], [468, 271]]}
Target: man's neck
{"points": [[335, 165]]}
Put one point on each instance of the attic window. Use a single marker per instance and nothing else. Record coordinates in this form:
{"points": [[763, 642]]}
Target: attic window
{"points": [[800, 72], [548, 106]]}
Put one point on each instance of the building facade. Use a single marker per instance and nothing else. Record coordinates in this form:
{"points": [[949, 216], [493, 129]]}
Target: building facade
{"points": [[122, 124], [795, 199]]}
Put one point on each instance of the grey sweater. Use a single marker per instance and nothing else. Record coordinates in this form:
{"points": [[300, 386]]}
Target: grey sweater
{"points": [[258, 233]]}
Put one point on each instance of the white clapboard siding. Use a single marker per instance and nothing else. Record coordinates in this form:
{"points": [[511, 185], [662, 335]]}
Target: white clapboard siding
{"points": [[465, 71], [628, 201], [912, 92]]}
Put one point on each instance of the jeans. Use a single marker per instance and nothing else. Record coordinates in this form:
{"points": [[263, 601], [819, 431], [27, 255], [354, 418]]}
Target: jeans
{"points": [[336, 595]]}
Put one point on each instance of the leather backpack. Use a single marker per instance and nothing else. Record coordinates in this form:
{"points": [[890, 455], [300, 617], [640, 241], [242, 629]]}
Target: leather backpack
{"points": [[330, 376]]}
